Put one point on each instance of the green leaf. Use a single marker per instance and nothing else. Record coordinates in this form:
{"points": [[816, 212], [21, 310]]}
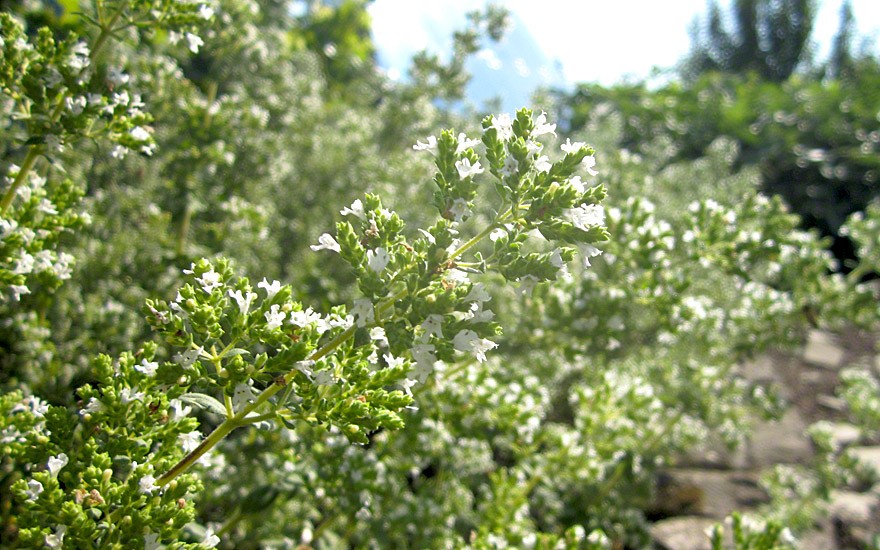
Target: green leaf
{"points": [[204, 402]]}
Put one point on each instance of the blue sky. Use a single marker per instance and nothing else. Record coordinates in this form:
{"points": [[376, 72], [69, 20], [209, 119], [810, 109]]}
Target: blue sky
{"points": [[590, 39]]}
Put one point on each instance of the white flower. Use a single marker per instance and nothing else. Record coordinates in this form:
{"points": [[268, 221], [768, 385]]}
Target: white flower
{"points": [[189, 441], [56, 540], [456, 277], [356, 209], [305, 367], [178, 410], [94, 405], [34, 490], [589, 251], [478, 294], [464, 143], [556, 259], [430, 238], [18, 290], [186, 359], [423, 355], [335, 321], [572, 148], [363, 311], [274, 317], [407, 384], [116, 77], [79, 56], [378, 259], [578, 185], [478, 315], [543, 164], [431, 144], [432, 326], [541, 126], [242, 395], [194, 42], [206, 12], [324, 378], [244, 300], [56, 463], [75, 104], [511, 165], [43, 261], [497, 233], [147, 367], [392, 361], [24, 265], [7, 227], [504, 125], [527, 284], [211, 540], [459, 209], [586, 215], [469, 341], [589, 162], [377, 334], [305, 318], [147, 484], [271, 288], [139, 134], [326, 242], [466, 169], [209, 281], [127, 395], [119, 152]]}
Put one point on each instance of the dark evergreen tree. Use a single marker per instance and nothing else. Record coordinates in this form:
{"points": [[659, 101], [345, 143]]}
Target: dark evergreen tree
{"points": [[840, 63], [769, 37]]}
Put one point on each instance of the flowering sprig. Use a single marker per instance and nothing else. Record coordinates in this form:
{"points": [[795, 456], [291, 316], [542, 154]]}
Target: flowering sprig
{"points": [[65, 94], [96, 485], [864, 230], [61, 91], [419, 306]]}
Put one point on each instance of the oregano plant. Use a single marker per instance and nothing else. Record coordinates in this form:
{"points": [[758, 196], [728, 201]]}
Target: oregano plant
{"points": [[481, 350], [250, 354]]}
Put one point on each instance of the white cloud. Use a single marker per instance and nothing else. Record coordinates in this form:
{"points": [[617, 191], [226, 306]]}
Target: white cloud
{"points": [[593, 40]]}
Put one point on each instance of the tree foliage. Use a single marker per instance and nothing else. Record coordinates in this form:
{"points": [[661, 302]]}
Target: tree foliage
{"points": [[769, 37]]}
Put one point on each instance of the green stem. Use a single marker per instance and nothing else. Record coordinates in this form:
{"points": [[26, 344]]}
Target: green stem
{"points": [[855, 276], [230, 424], [326, 524], [26, 166], [183, 228], [230, 523], [34, 151]]}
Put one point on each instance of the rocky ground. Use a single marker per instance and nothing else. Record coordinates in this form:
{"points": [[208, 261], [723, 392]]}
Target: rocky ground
{"points": [[701, 491]]}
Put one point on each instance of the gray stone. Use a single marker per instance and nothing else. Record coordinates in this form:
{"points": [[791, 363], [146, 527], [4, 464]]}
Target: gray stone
{"points": [[869, 456], [760, 369], [831, 403], [822, 351], [843, 434], [712, 493], [852, 508], [713, 453], [813, 377], [822, 537], [683, 533], [782, 442]]}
